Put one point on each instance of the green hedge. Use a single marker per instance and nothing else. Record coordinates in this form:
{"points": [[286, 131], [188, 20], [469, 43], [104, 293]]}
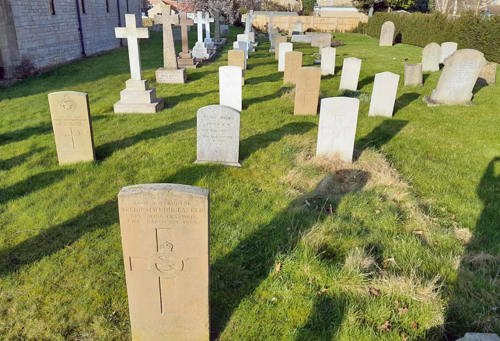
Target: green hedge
{"points": [[469, 30]]}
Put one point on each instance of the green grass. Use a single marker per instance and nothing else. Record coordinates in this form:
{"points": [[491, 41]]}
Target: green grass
{"points": [[301, 248]]}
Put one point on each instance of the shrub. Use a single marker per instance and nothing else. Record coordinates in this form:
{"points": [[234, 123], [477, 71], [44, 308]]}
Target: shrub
{"points": [[469, 30]]}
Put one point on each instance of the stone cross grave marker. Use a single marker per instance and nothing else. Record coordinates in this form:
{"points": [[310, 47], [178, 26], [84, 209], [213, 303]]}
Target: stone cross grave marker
{"points": [[72, 126], [431, 56], [230, 92], [293, 62], [165, 237], [279, 39], [132, 33], [200, 50], [447, 49], [248, 20], [387, 34], [208, 39], [284, 48], [307, 87], [385, 89], [413, 74], [328, 61], [185, 57], [337, 127], [217, 35], [350, 74], [457, 80], [218, 135]]}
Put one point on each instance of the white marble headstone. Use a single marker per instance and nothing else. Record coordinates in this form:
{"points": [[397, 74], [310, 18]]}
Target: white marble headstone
{"points": [[385, 89], [350, 74], [230, 84], [241, 45], [387, 34], [447, 49], [328, 61], [283, 48], [431, 57]]}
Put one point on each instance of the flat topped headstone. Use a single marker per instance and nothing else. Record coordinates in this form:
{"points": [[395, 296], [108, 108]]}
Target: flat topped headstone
{"points": [[385, 89], [328, 61], [387, 34], [413, 74], [458, 78], [337, 127], [431, 57], [308, 81], [350, 74], [283, 48], [279, 39], [165, 240], [293, 62], [218, 135], [72, 126], [230, 83], [447, 49]]}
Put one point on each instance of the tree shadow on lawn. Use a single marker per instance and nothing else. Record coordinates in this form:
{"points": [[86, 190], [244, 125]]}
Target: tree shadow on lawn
{"points": [[247, 102], [405, 100], [18, 160], [240, 272], [379, 136], [24, 133], [173, 101], [365, 81], [273, 77]]}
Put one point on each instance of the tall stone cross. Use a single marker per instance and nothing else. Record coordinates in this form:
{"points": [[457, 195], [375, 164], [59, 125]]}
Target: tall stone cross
{"points": [[199, 21], [248, 22], [217, 25], [132, 33], [185, 23], [167, 20], [207, 20]]}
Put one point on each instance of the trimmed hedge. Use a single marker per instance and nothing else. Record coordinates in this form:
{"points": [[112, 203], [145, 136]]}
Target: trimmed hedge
{"points": [[469, 30]]}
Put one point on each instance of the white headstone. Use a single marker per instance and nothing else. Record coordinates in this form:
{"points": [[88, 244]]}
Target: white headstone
{"points": [[447, 49], [206, 21], [200, 50], [245, 37], [283, 48], [431, 57], [350, 74], [328, 61], [337, 127], [387, 34], [241, 45], [385, 89], [218, 135], [230, 84]]}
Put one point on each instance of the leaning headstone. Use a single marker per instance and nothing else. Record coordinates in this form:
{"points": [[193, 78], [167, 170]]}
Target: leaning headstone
{"points": [[279, 39], [308, 81], [458, 78], [321, 40], [413, 74], [200, 50], [165, 241], [387, 34], [137, 96], [337, 127], [447, 49], [488, 74], [350, 74], [72, 126], [328, 61], [293, 62], [230, 83], [431, 56], [283, 48], [218, 135], [169, 73], [185, 59], [385, 89]]}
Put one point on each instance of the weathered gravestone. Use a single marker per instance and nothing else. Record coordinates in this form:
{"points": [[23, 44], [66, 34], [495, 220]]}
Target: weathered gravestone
{"points": [[458, 78], [301, 38], [243, 46], [337, 127], [169, 73], [218, 135], [385, 89], [165, 237], [387, 34], [413, 74], [237, 58], [350, 74], [279, 39], [328, 61], [200, 50], [298, 28], [293, 62], [230, 84], [308, 81], [185, 58], [283, 48], [488, 74], [321, 40], [72, 126], [137, 96], [447, 49], [431, 56]]}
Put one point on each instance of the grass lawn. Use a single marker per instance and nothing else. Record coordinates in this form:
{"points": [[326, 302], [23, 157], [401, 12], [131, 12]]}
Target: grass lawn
{"points": [[402, 244]]}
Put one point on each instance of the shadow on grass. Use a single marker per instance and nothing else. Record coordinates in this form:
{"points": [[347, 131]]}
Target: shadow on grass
{"points": [[365, 81], [106, 150], [24, 133], [199, 74], [279, 93], [237, 274], [172, 101], [273, 77], [379, 136], [405, 100], [253, 143], [17, 160]]}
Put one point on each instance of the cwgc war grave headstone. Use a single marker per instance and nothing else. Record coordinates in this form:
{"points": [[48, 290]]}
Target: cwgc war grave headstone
{"points": [[185, 59], [293, 62], [350, 74], [385, 89], [169, 73], [218, 135], [237, 58], [458, 77], [70, 114], [200, 50], [208, 39], [243, 46], [488, 74], [413, 74], [387, 34], [283, 48], [165, 240], [431, 57], [230, 83], [280, 39], [328, 61], [337, 127], [137, 96], [307, 87], [447, 49]]}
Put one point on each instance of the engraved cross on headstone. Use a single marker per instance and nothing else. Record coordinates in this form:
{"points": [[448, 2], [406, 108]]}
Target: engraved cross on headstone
{"points": [[167, 20], [132, 33], [185, 23], [72, 133]]}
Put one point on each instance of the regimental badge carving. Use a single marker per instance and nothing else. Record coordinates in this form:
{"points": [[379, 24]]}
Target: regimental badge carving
{"points": [[67, 103], [166, 263]]}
